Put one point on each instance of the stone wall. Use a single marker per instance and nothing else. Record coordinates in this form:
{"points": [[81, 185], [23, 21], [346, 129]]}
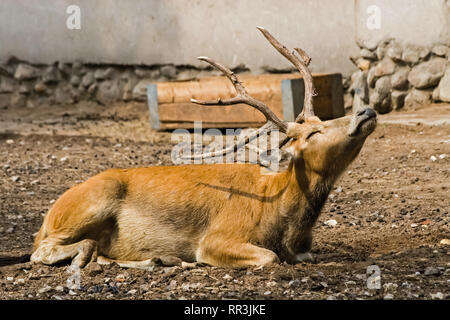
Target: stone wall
{"points": [[27, 85], [394, 74]]}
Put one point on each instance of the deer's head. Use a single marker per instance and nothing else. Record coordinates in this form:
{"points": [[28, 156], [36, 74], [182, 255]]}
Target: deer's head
{"points": [[327, 147], [323, 147]]}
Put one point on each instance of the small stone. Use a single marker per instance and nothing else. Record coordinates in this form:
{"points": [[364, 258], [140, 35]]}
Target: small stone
{"points": [[45, 289], [108, 92], [366, 53], [394, 51], [437, 296], [445, 242], [132, 292], [140, 90], [169, 71], [384, 68], [363, 64], [59, 288], [440, 50], [75, 80], [10, 279], [390, 287], [427, 74], [267, 293], [433, 158], [9, 141], [227, 277], [72, 293], [99, 74], [172, 285], [432, 271], [93, 269], [92, 88], [294, 283], [271, 284], [64, 159], [399, 79], [398, 99], [88, 79], [26, 72], [389, 296], [331, 223], [15, 178], [414, 225], [40, 87], [413, 53], [51, 75], [188, 265], [20, 281], [444, 86], [417, 97]]}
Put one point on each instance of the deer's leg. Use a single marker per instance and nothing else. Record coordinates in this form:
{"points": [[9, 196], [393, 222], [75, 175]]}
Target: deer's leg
{"points": [[145, 264], [221, 252], [50, 252]]}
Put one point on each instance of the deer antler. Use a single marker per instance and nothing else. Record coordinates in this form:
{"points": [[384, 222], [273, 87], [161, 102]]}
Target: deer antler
{"points": [[243, 97], [273, 122], [302, 66]]}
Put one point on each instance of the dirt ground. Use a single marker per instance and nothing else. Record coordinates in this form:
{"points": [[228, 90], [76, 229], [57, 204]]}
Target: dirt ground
{"points": [[391, 208]]}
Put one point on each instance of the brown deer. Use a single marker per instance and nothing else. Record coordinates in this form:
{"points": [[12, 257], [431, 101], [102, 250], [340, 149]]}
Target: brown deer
{"points": [[229, 215]]}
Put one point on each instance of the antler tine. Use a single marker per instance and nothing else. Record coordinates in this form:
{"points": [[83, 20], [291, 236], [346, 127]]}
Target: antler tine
{"points": [[302, 66], [241, 97]]}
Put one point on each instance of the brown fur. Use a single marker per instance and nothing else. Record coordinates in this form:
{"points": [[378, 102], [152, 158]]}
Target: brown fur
{"points": [[222, 214]]}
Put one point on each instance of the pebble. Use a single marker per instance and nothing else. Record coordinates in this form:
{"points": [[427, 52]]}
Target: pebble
{"points": [[433, 158], [437, 295], [388, 297], [414, 225], [15, 178], [390, 287], [227, 277], [442, 156], [267, 293], [57, 297], [72, 293], [10, 279], [132, 291], [271, 284], [59, 288], [445, 242], [63, 159], [294, 283], [45, 289], [10, 141], [188, 265], [172, 285], [331, 223], [431, 271]]}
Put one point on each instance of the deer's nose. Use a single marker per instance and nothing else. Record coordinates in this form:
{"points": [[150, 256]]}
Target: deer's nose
{"points": [[369, 112]]}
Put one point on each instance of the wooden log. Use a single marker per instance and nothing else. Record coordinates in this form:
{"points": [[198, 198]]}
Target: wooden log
{"points": [[170, 106]]}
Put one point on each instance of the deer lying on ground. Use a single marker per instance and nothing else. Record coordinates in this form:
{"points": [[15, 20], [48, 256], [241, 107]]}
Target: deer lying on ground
{"points": [[220, 214]]}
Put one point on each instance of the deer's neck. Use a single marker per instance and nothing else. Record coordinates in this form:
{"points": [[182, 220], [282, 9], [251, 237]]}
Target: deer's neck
{"points": [[289, 229]]}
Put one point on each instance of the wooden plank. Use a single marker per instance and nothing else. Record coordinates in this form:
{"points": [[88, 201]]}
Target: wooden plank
{"points": [[170, 106]]}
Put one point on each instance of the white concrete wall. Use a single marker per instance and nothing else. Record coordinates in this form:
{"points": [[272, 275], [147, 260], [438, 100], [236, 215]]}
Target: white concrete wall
{"points": [[420, 22], [176, 31]]}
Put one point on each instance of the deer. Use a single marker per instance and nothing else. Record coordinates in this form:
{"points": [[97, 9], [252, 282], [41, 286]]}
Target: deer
{"points": [[225, 214]]}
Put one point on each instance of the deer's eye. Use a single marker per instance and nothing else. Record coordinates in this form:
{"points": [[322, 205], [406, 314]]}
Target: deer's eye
{"points": [[312, 133]]}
